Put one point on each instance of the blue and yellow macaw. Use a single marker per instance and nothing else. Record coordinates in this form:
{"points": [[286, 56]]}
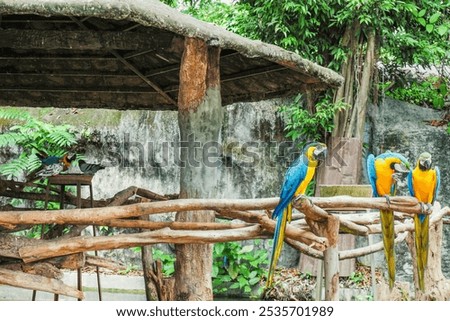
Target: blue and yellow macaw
{"points": [[295, 183], [423, 183], [383, 172]]}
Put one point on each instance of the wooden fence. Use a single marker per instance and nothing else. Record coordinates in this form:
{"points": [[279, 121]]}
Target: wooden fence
{"points": [[314, 231]]}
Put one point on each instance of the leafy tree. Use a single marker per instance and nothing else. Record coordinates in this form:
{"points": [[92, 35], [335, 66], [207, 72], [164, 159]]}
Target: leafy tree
{"points": [[349, 36]]}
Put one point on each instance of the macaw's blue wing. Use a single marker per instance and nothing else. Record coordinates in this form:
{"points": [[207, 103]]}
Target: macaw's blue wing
{"points": [[371, 173], [283, 212], [438, 184], [294, 176], [411, 184]]}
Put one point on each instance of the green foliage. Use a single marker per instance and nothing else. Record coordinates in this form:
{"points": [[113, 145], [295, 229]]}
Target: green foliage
{"points": [[356, 277], [167, 260], [412, 31], [128, 270], [234, 266], [406, 32], [238, 267], [30, 135], [310, 126], [429, 93]]}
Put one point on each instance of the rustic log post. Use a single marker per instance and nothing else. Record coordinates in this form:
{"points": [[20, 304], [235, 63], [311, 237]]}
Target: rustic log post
{"points": [[324, 225], [200, 117], [147, 267], [331, 259]]}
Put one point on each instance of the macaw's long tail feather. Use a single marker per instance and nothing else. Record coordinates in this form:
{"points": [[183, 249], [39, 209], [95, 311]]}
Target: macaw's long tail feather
{"points": [[289, 213], [421, 227], [278, 239], [387, 228]]}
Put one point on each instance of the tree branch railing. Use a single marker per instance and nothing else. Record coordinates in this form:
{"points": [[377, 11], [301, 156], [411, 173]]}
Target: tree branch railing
{"points": [[252, 212], [314, 231]]}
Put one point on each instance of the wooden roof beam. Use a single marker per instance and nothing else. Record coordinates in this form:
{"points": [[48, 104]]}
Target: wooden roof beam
{"points": [[78, 40], [78, 90], [133, 69]]}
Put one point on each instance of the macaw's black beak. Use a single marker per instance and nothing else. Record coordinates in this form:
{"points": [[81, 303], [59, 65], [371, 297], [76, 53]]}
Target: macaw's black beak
{"points": [[426, 164], [400, 168], [320, 153]]}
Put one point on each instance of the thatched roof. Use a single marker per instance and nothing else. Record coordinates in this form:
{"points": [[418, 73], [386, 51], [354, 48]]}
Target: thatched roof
{"points": [[125, 54]]}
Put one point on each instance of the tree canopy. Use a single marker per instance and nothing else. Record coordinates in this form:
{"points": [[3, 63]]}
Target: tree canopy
{"points": [[349, 36]]}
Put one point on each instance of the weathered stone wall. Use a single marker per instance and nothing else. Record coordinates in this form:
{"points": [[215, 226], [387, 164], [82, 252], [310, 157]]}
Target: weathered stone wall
{"points": [[141, 149]]}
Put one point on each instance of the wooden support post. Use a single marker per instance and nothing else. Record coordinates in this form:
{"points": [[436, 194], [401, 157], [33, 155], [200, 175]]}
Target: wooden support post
{"points": [[147, 267], [331, 260], [327, 226], [200, 118]]}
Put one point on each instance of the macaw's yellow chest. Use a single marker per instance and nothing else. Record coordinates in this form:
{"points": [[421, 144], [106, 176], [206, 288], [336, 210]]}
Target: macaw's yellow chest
{"points": [[424, 183], [384, 173], [301, 189]]}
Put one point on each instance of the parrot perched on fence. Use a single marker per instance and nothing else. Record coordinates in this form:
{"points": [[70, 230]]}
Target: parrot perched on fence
{"points": [[423, 183], [383, 172], [295, 183], [88, 168]]}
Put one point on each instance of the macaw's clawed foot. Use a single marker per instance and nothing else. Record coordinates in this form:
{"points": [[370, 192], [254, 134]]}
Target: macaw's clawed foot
{"points": [[422, 207], [425, 207], [302, 198], [388, 200], [429, 207], [397, 177]]}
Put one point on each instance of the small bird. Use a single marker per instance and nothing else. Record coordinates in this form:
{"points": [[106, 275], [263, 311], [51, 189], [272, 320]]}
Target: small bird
{"points": [[88, 168], [48, 160], [67, 160], [384, 171], [295, 183], [52, 165], [423, 184]]}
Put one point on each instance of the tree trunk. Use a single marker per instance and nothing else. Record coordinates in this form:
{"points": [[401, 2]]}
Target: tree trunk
{"points": [[358, 72], [345, 92], [200, 118]]}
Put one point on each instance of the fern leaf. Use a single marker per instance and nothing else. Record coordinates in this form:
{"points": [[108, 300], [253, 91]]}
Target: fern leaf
{"points": [[10, 139], [14, 114], [62, 139], [14, 168]]}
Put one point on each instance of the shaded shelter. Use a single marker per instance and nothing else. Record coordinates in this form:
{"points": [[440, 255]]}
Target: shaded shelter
{"points": [[145, 55]]}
